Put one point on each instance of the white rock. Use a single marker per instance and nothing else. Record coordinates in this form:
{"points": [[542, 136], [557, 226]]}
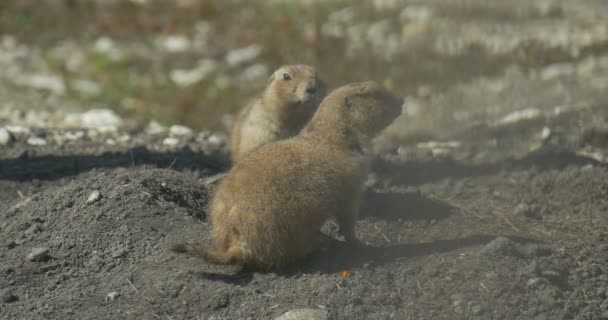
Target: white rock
{"points": [[155, 128], [525, 114], [106, 46], [112, 295], [416, 13], [179, 131], [545, 133], [50, 82], [187, 77], [38, 254], [242, 55], [216, 139], [171, 141], [14, 129], [74, 135], [36, 141], [305, 314], [101, 119], [87, 87], [5, 137], [175, 43], [94, 197], [124, 138]]}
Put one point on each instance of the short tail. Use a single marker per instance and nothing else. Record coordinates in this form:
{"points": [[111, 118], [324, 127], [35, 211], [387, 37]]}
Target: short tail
{"points": [[231, 256]]}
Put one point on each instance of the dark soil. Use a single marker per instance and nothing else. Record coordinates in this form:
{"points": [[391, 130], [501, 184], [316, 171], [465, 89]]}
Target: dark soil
{"points": [[517, 238]]}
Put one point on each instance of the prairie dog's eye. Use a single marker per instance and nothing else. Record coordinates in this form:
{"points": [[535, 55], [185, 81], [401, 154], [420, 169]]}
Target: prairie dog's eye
{"points": [[286, 77]]}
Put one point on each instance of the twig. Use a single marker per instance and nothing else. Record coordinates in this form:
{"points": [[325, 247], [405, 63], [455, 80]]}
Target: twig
{"points": [[383, 235], [172, 163], [508, 222], [132, 286]]}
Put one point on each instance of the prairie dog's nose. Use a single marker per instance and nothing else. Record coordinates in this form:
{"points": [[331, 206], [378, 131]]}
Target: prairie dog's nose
{"points": [[311, 90], [312, 87]]}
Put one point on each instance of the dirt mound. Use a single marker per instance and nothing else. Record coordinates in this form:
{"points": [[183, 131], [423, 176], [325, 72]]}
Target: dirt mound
{"points": [[93, 231], [477, 247]]}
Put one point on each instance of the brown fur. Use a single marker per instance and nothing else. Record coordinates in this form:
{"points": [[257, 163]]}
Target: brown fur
{"points": [[279, 112], [268, 210]]}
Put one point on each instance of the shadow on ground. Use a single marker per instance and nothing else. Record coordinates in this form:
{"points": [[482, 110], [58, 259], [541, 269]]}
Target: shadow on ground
{"points": [[52, 167]]}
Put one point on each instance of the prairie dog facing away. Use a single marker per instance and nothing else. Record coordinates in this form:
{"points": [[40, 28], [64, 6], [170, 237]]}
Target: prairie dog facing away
{"points": [[289, 100], [268, 211]]}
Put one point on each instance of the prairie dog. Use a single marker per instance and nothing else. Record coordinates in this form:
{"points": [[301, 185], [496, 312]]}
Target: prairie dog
{"points": [[268, 211], [289, 100]]}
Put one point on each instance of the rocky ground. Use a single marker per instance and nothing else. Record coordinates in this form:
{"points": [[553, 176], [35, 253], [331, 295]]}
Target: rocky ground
{"points": [[488, 198]]}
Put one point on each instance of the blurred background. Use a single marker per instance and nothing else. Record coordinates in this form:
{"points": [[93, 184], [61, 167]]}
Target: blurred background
{"points": [[458, 63]]}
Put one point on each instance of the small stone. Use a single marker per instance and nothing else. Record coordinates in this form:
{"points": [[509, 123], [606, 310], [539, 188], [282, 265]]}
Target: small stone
{"points": [[18, 130], [179, 131], [74, 135], [305, 314], [546, 133], [8, 297], [171, 141], [5, 137], [87, 87], [36, 141], [94, 197], [104, 120], [476, 310], [38, 254], [155, 128], [501, 246], [112, 295], [528, 211], [243, 55], [118, 253], [217, 139]]}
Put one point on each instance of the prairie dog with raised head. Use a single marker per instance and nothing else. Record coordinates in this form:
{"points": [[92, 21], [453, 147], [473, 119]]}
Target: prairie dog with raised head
{"points": [[268, 211], [289, 100]]}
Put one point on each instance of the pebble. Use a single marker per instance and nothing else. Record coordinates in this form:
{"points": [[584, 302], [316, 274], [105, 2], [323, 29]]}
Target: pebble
{"points": [[112, 295], [36, 141], [305, 314], [104, 120], [476, 310], [8, 297], [520, 115], [171, 141], [155, 128], [5, 137], [501, 246], [38, 254], [243, 55], [94, 197], [179, 131], [14, 129]]}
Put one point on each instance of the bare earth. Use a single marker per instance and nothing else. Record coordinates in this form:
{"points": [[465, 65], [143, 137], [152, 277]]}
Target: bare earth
{"points": [[488, 200]]}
